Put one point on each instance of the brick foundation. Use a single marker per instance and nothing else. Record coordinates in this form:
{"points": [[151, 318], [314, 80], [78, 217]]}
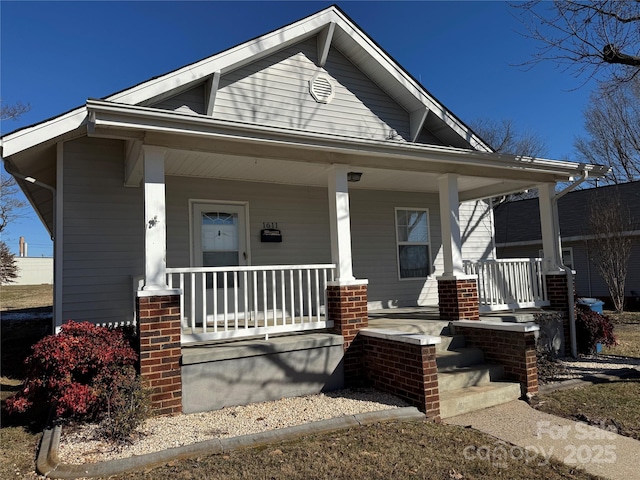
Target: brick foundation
{"points": [[159, 333], [516, 351], [406, 370], [458, 299], [347, 307]]}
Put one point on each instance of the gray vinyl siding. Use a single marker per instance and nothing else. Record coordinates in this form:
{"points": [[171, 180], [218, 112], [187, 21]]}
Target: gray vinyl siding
{"points": [[274, 91], [103, 233], [373, 237], [104, 242], [302, 214], [476, 230], [191, 101]]}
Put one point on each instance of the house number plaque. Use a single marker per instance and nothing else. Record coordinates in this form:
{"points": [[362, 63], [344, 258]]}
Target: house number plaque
{"points": [[270, 233]]}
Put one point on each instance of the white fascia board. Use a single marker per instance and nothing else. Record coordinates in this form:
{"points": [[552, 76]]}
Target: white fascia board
{"points": [[227, 60], [135, 118], [26, 138], [502, 188]]}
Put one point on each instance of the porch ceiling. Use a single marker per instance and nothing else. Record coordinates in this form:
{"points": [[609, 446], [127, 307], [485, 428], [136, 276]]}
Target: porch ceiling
{"points": [[255, 169], [206, 147]]}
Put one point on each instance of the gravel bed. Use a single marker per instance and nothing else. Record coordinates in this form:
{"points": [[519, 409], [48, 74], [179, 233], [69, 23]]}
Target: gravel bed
{"points": [[569, 367], [83, 444]]}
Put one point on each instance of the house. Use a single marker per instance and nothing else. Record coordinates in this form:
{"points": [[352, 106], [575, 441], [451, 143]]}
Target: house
{"points": [[518, 235], [286, 186]]}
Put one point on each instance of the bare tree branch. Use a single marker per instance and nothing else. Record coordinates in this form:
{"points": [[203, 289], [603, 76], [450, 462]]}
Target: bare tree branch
{"points": [[11, 206], [12, 112], [599, 38], [612, 123], [609, 247]]}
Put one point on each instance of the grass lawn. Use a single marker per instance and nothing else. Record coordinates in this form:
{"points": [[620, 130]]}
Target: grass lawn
{"points": [[627, 331], [605, 404], [420, 450], [16, 297], [609, 404]]}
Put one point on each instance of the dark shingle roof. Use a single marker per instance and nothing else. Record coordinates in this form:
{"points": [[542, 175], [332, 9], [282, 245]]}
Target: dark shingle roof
{"points": [[520, 221]]}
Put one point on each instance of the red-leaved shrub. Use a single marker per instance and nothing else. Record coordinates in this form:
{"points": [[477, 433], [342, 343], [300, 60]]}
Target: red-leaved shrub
{"points": [[76, 370], [592, 328]]}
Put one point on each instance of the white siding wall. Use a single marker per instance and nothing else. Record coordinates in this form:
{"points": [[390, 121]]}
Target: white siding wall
{"points": [[275, 91], [302, 214], [374, 247], [104, 245], [191, 101], [34, 271], [476, 229], [103, 233]]}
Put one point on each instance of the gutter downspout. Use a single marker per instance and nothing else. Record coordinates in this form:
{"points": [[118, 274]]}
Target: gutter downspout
{"points": [[53, 230], [568, 272]]}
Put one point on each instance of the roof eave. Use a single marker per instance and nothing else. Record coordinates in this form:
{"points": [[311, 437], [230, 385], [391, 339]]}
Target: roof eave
{"points": [[137, 119]]}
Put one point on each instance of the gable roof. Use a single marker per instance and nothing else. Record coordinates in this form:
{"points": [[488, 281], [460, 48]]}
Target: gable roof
{"points": [[333, 29], [518, 223]]}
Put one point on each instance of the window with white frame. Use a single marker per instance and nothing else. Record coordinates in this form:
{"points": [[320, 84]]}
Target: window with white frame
{"points": [[567, 256], [413, 247]]}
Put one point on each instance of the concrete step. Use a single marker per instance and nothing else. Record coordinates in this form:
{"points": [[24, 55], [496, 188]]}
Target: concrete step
{"points": [[460, 357], [465, 400], [424, 327], [450, 342], [515, 317], [462, 377]]}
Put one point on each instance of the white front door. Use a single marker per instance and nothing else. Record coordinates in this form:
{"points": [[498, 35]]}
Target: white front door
{"points": [[220, 240], [219, 235]]}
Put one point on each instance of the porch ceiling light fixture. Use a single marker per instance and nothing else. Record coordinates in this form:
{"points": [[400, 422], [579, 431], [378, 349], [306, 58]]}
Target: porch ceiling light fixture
{"points": [[354, 176]]}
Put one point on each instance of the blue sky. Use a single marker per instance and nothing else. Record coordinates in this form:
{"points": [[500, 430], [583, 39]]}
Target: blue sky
{"points": [[55, 55]]}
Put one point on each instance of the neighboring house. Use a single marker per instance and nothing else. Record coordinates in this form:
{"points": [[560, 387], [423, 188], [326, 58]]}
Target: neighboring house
{"points": [[518, 236], [248, 187], [34, 271]]}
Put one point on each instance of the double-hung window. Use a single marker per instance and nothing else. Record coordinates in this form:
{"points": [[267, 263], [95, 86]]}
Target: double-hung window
{"points": [[412, 238]]}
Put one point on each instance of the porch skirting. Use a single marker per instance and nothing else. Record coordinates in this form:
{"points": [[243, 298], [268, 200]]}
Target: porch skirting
{"points": [[226, 374]]}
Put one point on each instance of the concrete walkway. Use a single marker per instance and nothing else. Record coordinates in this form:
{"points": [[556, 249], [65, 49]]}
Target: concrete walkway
{"points": [[597, 451]]}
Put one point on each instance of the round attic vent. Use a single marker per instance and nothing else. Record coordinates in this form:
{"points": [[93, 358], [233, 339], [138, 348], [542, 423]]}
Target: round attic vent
{"points": [[321, 88]]}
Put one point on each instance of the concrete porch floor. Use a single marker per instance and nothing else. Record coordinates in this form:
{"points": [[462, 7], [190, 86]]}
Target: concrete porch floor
{"points": [[426, 320]]}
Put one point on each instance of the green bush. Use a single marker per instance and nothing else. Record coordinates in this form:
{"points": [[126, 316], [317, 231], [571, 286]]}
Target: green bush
{"points": [[592, 328]]}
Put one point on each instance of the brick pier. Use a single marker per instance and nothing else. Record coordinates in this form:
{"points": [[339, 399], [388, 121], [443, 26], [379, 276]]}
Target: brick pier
{"points": [[458, 299], [347, 307], [159, 334]]}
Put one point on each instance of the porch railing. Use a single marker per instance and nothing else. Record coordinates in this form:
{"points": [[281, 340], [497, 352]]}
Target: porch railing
{"points": [[507, 284], [235, 302]]}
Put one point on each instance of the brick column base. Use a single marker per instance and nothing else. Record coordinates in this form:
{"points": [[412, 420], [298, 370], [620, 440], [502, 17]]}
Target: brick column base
{"points": [[406, 370], [516, 351], [158, 320], [458, 299], [347, 307], [558, 294]]}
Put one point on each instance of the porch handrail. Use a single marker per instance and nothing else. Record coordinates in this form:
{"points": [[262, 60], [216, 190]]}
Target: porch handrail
{"points": [[509, 283], [243, 301]]}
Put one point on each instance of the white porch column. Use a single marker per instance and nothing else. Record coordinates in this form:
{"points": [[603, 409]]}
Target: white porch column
{"points": [[450, 226], [155, 237], [550, 237], [340, 223]]}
